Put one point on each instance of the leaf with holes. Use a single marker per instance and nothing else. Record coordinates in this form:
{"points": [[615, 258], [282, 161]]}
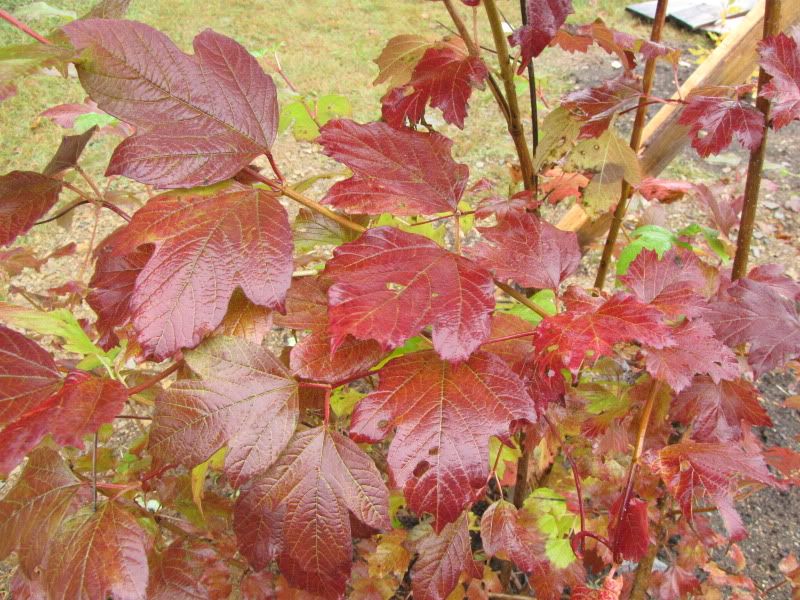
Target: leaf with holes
{"points": [[596, 107], [300, 510], [83, 404], [245, 399], [780, 57], [25, 197], [444, 78], [590, 327], [673, 283], [401, 172], [505, 536], [32, 510], [206, 246], [99, 554], [528, 251], [28, 374], [442, 560], [691, 469], [696, 351], [311, 357], [720, 119], [444, 415], [388, 285], [199, 119], [543, 18], [716, 409], [757, 313]]}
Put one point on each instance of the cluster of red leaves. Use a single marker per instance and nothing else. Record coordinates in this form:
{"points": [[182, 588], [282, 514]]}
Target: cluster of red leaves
{"points": [[239, 465]]}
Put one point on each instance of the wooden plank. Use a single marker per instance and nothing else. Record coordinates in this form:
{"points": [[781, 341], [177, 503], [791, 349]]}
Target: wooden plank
{"points": [[731, 63]]}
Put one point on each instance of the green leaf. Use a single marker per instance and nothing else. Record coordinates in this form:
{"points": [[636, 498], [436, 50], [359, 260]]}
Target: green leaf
{"points": [[413, 344], [295, 116], [559, 552], [85, 122], [507, 454], [39, 10], [433, 231], [544, 299], [344, 400], [333, 106], [651, 237]]}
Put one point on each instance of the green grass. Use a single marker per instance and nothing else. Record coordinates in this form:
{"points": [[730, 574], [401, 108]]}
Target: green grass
{"points": [[325, 46]]}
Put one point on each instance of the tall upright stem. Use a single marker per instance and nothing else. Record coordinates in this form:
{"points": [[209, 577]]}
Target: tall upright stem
{"points": [[772, 20], [523, 8], [515, 127], [636, 142]]}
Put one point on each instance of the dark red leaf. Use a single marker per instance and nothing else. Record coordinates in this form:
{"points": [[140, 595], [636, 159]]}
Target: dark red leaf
{"points": [[720, 119], [774, 275], [299, 509], [529, 251], [503, 535], [442, 560], [68, 153], [444, 78], [723, 212], [544, 18], [402, 172], [206, 246], [188, 571], [83, 404], [389, 284], [444, 415], [516, 352], [112, 285], [244, 399], [596, 107], [757, 313], [673, 284], [593, 325], [716, 410], [199, 119], [502, 207], [98, 554], [780, 57], [25, 197], [631, 534], [32, 510], [711, 471], [696, 351], [28, 374], [311, 357]]}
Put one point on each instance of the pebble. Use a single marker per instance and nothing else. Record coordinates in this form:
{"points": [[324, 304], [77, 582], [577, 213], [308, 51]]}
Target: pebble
{"points": [[758, 235], [769, 204], [756, 252], [779, 214]]}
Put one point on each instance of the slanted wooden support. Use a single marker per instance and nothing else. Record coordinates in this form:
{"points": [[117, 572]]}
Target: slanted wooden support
{"points": [[731, 63]]}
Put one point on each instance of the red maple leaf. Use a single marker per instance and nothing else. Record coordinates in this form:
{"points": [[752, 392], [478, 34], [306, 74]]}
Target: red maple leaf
{"points": [[112, 285], [245, 399], [716, 410], [503, 535], [501, 207], [442, 560], [444, 78], [206, 246], [721, 119], [711, 471], [25, 197], [389, 284], [83, 404], [299, 510], [757, 313], [596, 107], [199, 119], [666, 191], [592, 325], [631, 535], [696, 351], [557, 185], [543, 18], [581, 37], [28, 374], [780, 57], [188, 569], [402, 172], [311, 357], [444, 415], [529, 251], [673, 283]]}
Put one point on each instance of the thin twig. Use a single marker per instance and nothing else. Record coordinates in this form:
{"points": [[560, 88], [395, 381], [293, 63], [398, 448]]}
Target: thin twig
{"points": [[521, 299], [636, 141], [90, 181], [772, 25], [523, 8], [150, 382], [6, 16], [94, 473], [515, 127]]}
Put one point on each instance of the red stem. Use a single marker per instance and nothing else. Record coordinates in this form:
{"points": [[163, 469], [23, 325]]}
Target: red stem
{"points": [[6, 16], [314, 384], [327, 406], [148, 383]]}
